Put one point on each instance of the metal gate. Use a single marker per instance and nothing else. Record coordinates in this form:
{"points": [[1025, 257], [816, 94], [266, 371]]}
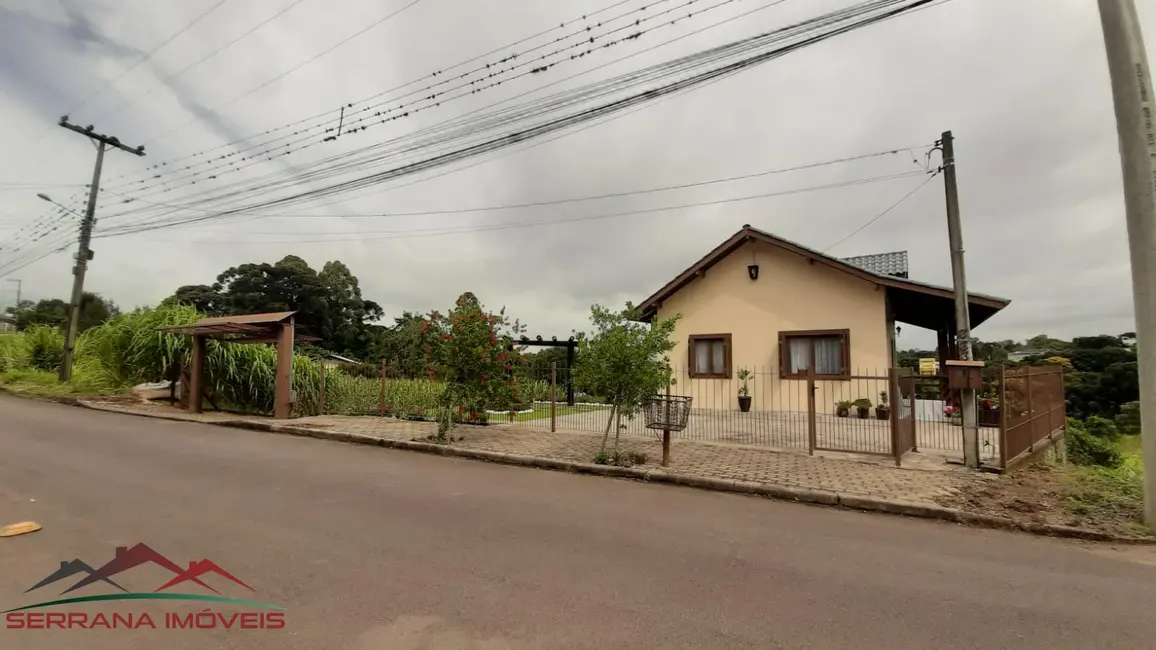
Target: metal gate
{"points": [[903, 434]]}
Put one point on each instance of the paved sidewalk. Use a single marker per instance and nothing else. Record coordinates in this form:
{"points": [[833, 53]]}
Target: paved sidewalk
{"points": [[718, 461]]}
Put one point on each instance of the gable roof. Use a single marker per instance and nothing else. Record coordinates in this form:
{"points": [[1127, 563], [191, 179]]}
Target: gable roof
{"points": [[989, 304], [894, 264]]}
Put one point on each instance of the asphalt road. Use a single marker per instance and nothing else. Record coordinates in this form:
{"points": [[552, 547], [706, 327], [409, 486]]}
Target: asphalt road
{"points": [[373, 549]]}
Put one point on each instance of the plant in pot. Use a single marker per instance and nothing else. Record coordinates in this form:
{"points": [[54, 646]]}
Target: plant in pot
{"points": [[883, 411], [843, 408], [863, 406], [744, 391]]}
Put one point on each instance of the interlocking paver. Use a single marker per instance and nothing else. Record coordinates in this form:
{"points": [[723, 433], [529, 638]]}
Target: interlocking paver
{"points": [[714, 460]]}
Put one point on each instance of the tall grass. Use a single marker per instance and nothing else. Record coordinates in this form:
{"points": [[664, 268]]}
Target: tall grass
{"points": [[129, 349]]}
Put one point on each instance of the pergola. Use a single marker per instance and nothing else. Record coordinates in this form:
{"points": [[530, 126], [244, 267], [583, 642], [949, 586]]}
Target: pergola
{"points": [[276, 328]]}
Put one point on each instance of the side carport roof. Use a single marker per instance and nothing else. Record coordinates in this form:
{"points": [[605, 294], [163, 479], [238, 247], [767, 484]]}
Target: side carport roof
{"points": [[912, 302]]}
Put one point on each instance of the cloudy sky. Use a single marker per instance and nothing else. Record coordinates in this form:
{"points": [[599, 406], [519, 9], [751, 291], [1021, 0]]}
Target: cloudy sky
{"points": [[1022, 83]]}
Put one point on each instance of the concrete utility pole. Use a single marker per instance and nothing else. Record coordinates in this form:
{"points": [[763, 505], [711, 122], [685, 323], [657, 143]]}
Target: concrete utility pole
{"points": [[84, 253], [1135, 113], [19, 286], [959, 282]]}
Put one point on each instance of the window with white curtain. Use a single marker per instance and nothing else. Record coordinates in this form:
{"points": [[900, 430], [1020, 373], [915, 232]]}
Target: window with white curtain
{"points": [[710, 356], [827, 352]]}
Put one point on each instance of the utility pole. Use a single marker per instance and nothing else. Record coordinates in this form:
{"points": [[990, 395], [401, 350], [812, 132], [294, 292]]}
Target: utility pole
{"points": [[84, 253], [19, 286], [959, 282], [1135, 113]]}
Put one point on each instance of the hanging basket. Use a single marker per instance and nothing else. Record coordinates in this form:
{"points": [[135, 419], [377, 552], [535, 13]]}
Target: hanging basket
{"points": [[667, 412]]}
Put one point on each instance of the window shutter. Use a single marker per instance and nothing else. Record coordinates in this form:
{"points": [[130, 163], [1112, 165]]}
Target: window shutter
{"points": [[727, 356], [690, 367]]}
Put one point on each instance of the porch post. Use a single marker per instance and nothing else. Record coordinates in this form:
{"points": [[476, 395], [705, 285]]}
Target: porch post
{"points": [[283, 395], [196, 385]]}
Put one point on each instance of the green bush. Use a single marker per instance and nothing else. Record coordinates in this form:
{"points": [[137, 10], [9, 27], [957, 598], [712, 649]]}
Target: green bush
{"points": [[1128, 419], [1087, 449], [13, 352], [44, 346], [1102, 428]]}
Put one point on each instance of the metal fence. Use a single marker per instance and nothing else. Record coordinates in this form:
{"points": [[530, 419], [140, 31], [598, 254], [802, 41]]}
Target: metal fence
{"points": [[1033, 410], [886, 412]]}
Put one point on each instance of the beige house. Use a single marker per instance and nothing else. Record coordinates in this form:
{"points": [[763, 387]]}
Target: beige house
{"points": [[778, 309]]}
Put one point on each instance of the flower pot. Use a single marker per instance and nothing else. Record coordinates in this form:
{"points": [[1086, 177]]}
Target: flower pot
{"points": [[864, 412], [745, 403], [842, 412], [883, 412]]}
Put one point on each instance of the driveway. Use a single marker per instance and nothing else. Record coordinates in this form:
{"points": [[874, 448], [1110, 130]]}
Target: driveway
{"points": [[374, 549]]}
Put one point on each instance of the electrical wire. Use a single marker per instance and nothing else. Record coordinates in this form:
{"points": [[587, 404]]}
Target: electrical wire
{"points": [[740, 46], [423, 102], [669, 188], [879, 216], [434, 232]]}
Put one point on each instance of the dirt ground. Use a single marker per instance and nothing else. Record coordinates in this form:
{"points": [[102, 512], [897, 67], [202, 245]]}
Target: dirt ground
{"points": [[1066, 495]]}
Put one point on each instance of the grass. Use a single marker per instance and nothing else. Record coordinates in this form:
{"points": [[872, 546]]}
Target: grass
{"points": [[542, 411], [1108, 494], [35, 382]]}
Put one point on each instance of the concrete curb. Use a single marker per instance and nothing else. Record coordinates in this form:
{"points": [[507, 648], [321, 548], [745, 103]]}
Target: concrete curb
{"points": [[781, 492]]}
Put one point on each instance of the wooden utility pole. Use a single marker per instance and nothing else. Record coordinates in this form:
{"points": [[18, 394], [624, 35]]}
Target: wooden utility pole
{"points": [[1135, 106], [84, 253], [962, 315]]}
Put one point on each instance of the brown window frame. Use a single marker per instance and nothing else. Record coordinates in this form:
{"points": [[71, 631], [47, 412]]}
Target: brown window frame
{"points": [[692, 368], [785, 351]]}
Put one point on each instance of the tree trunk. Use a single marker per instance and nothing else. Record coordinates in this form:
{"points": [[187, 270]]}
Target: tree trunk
{"points": [[617, 429], [606, 435]]}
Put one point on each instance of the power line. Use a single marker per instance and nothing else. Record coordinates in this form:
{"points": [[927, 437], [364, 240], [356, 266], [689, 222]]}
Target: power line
{"points": [[879, 216], [434, 232], [492, 208], [123, 74], [295, 68], [167, 81], [852, 18], [424, 102]]}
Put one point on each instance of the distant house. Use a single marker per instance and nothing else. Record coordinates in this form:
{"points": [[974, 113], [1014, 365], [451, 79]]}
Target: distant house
{"points": [[7, 323], [763, 303]]}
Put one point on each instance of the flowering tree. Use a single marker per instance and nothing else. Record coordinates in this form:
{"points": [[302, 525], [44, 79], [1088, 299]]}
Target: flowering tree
{"points": [[472, 351], [625, 361]]}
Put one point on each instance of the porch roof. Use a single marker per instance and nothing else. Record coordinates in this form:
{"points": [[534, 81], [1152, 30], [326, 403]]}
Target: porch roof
{"points": [[912, 302], [242, 328]]}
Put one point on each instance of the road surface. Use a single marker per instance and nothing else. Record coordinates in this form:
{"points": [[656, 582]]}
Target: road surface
{"points": [[375, 549]]}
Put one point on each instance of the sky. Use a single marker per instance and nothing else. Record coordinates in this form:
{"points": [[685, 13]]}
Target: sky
{"points": [[1022, 84]]}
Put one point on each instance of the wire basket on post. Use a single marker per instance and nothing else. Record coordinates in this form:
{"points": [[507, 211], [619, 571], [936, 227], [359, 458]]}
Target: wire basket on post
{"points": [[667, 412]]}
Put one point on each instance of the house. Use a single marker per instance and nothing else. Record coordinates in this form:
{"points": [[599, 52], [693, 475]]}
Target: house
{"points": [[1020, 355], [774, 307]]}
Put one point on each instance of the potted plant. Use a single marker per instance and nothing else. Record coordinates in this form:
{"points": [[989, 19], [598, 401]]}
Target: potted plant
{"points": [[883, 411], [843, 408], [863, 405], [744, 391]]}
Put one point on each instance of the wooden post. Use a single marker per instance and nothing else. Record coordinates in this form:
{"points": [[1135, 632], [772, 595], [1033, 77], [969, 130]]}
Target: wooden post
{"points": [[381, 392], [196, 385], [666, 430], [1031, 412], [893, 386], [553, 395], [283, 395], [321, 391], [914, 419], [812, 426], [1003, 416]]}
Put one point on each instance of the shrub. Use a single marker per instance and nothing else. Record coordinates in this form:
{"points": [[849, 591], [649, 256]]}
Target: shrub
{"points": [[1128, 420], [1102, 428], [44, 346], [13, 352], [1086, 449]]}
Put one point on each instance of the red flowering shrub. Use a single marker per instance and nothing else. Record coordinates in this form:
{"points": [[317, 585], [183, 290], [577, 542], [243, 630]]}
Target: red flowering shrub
{"points": [[472, 349]]}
